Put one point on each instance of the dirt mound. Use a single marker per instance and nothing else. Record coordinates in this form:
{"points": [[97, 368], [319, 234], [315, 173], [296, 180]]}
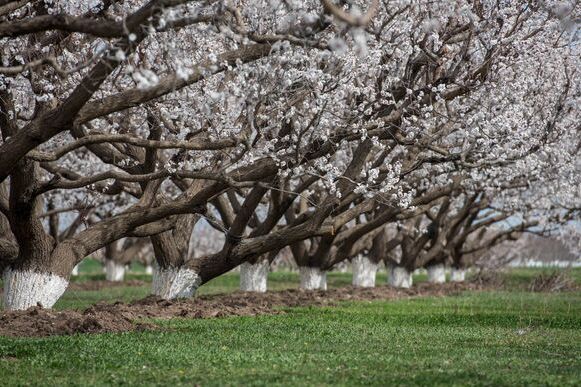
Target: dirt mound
{"points": [[45, 322], [120, 317]]}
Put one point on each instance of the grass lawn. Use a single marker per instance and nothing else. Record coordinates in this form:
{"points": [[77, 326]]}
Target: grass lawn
{"points": [[477, 338]]}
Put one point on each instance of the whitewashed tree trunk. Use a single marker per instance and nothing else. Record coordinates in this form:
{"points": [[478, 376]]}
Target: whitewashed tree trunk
{"points": [[149, 269], [457, 275], [400, 277], [75, 271], [253, 278], [312, 278], [114, 271], [364, 271], [172, 282], [436, 273], [23, 289]]}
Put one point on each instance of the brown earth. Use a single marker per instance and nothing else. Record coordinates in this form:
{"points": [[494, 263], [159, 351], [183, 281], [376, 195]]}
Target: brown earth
{"points": [[121, 317]]}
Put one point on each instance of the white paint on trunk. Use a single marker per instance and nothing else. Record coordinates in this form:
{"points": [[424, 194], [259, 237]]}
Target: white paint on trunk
{"points": [[400, 277], [149, 269], [253, 278], [23, 289], [313, 278], [175, 282], [114, 271], [457, 275], [364, 271], [436, 273], [75, 271]]}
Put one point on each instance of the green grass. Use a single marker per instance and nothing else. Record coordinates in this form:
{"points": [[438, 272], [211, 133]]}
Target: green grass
{"points": [[509, 337], [488, 338]]}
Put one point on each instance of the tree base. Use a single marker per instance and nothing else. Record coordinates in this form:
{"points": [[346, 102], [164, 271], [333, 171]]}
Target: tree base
{"points": [[253, 278], [114, 271], [312, 278], [364, 271], [436, 274], [400, 277], [457, 275], [24, 289], [172, 282]]}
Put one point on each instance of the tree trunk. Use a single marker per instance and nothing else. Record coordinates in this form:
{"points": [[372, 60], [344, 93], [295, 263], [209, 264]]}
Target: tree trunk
{"points": [[400, 277], [436, 273], [38, 282], [114, 271], [175, 282], [457, 275], [26, 288], [253, 277], [364, 271], [172, 278], [40, 273], [313, 278]]}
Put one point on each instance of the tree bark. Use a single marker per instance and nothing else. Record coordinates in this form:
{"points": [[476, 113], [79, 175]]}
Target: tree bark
{"points": [[457, 275], [436, 273], [26, 288], [175, 282], [253, 276], [114, 270], [364, 272], [312, 278], [400, 277]]}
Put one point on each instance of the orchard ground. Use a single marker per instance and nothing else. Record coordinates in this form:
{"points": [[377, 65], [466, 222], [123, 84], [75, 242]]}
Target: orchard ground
{"points": [[506, 336]]}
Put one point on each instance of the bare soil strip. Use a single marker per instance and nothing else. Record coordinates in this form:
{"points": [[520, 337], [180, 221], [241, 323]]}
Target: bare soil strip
{"points": [[123, 317]]}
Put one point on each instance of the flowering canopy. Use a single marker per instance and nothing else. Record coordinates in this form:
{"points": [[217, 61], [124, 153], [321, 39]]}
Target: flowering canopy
{"points": [[136, 115]]}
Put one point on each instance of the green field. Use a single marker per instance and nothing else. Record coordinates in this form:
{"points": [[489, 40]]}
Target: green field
{"points": [[509, 337]]}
